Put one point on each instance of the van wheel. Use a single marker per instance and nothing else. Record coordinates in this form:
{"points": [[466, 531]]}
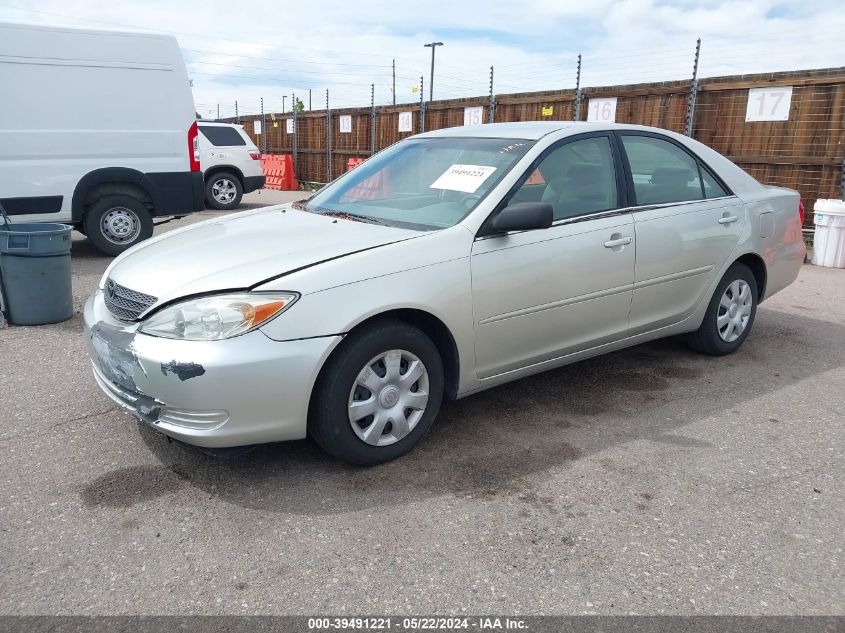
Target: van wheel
{"points": [[378, 394], [223, 191], [117, 222], [729, 316]]}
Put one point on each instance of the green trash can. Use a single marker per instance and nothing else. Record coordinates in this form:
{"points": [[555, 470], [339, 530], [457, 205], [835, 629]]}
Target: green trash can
{"points": [[35, 272]]}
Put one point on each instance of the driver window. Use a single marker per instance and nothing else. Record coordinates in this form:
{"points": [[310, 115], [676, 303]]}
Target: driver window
{"points": [[577, 178]]}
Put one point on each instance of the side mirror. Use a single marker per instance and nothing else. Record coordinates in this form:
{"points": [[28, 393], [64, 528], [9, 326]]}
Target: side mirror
{"points": [[522, 216]]}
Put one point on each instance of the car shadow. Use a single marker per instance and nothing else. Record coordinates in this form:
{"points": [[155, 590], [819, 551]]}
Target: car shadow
{"points": [[486, 445]]}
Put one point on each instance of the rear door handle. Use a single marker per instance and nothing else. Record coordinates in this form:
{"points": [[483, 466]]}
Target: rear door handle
{"points": [[622, 241], [728, 219]]}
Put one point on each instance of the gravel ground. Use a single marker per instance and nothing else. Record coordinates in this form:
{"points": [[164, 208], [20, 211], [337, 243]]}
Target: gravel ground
{"points": [[649, 481]]}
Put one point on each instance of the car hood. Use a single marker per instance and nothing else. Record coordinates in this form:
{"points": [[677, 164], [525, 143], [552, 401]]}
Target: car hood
{"points": [[242, 250]]}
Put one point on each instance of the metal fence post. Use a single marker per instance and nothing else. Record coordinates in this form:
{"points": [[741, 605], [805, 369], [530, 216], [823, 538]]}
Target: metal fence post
{"points": [[693, 94], [422, 106], [328, 139], [843, 178], [372, 119], [218, 111], [492, 106], [295, 134], [237, 116], [263, 129], [578, 90]]}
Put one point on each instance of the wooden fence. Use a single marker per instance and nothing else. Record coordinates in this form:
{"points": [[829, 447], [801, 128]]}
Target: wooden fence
{"points": [[805, 152]]}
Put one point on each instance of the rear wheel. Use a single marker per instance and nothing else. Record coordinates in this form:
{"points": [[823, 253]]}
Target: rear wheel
{"points": [[117, 222], [378, 394], [223, 191], [730, 314]]}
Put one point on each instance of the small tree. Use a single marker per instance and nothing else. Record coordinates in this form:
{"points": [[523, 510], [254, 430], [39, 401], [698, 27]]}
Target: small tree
{"points": [[298, 106]]}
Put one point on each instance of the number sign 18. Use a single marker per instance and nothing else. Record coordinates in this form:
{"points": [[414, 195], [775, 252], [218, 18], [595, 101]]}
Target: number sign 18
{"points": [[602, 110], [768, 104]]}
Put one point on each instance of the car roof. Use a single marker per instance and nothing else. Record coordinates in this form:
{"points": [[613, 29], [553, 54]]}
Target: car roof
{"points": [[531, 130]]}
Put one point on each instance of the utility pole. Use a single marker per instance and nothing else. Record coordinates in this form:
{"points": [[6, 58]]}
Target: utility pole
{"points": [[492, 109], [432, 46], [578, 90], [283, 104], [394, 81], [309, 99], [693, 94]]}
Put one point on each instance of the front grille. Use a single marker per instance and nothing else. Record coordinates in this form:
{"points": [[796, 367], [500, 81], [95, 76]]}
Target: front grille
{"points": [[126, 304]]}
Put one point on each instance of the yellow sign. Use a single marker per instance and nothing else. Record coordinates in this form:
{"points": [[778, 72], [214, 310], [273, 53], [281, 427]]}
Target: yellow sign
{"points": [[415, 89], [548, 111], [275, 124]]}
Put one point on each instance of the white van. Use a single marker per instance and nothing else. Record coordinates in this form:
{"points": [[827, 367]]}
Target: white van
{"points": [[97, 129], [231, 164]]}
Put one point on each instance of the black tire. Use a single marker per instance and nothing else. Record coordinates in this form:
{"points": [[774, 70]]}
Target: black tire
{"points": [[329, 420], [707, 339], [215, 181], [109, 242]]}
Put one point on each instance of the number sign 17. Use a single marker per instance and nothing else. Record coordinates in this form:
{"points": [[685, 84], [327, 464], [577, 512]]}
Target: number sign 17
{"points": [[768, 104]]}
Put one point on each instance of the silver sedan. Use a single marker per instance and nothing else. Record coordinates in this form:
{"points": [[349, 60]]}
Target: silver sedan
{"points": [[449, 263]]}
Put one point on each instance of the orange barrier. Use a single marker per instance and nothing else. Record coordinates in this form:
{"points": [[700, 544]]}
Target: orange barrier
{"points": [[352, 163], [278, 170]]}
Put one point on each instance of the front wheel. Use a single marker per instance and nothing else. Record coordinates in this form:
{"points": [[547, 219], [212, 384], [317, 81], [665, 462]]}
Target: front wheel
{"points": [[378, 394], [729, 315], [223, 191], [117, 222]]}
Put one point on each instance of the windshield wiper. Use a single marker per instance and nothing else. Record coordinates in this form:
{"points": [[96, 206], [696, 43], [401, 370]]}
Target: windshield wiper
{"points": [[299, 205], [343, 215]]}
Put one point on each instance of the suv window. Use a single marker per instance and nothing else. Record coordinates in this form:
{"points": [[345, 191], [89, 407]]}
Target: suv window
{"points": [[576, 178], [664, 173], [222, 136]]}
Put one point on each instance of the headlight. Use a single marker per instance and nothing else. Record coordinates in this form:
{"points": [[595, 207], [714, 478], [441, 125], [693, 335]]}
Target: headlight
{"points": [[217, 317]]}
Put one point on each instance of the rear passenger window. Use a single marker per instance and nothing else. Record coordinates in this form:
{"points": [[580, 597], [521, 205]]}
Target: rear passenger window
{"points": [[222, 136], [664, 173], [576, 178]]}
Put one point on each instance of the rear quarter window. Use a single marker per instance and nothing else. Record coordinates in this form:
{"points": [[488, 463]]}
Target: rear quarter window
{"points": [[222, 136]]}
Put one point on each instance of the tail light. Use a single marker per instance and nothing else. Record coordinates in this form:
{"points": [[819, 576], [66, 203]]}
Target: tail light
{"points": [[801, 210], [194, 147], [255, 154]]}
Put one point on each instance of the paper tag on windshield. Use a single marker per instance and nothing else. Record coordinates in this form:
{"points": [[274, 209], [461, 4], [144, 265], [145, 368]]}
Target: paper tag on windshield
{"points": [[466, 178]]}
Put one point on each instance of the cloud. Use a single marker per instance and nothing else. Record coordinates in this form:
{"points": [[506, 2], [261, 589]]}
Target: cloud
{"points": [[272, 50]]}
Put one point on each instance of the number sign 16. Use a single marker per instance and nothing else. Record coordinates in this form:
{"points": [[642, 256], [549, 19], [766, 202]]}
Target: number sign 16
{"points": [[602, 110], [768, 104]]}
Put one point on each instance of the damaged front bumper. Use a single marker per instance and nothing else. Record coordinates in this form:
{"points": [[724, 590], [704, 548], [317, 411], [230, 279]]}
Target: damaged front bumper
{"points": [[245, 390]]}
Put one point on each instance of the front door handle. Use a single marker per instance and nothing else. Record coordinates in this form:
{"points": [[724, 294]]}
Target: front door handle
{"points": [[621, 241], [728, 219]]}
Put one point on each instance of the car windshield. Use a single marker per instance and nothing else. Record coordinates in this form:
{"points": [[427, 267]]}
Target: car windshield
{"points": [[422, 184]]}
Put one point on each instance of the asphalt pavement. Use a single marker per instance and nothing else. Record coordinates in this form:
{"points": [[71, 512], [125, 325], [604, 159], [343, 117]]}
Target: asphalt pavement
{"points": [[650, 481]]}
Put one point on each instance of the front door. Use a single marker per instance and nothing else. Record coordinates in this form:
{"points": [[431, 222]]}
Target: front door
{"points": [[542, 294]]}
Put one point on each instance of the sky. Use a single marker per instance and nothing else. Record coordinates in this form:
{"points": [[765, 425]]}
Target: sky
{"points": [[250, 50]]}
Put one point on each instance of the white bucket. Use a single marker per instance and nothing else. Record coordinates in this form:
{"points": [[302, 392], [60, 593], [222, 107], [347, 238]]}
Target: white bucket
{"points": [[829, 238]]}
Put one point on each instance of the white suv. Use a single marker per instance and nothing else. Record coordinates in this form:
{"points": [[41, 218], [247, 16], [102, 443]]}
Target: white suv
{"points": [[231, 163]]}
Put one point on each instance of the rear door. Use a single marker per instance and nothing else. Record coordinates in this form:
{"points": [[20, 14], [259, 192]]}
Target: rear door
{"points": [[687, 224], [222, 145]]}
